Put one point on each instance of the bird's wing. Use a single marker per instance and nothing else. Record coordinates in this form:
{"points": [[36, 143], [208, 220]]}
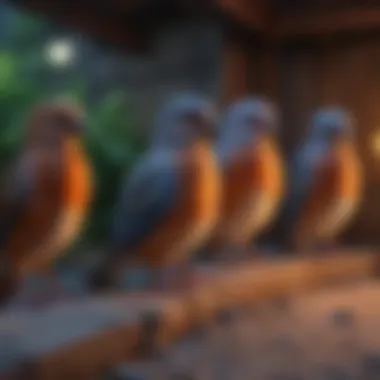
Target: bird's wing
{"points": [[301, 178], [147, 197], [14, 198], [310, 181], [304, 171]]}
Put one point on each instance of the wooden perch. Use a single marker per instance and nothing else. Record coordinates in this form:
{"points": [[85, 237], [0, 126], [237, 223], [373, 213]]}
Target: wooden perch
{"points": [[85, 338]]}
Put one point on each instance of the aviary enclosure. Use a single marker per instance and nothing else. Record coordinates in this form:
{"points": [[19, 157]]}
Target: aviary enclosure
{"points": [[301, 54]]}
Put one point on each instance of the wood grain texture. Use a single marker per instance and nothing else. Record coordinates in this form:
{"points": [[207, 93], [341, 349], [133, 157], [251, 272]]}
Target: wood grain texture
{"points": [[84, 338], [339, 73]]}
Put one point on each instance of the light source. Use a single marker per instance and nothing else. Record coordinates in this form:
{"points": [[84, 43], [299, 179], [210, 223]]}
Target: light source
{"points": [[375, 142], [60, 53]]}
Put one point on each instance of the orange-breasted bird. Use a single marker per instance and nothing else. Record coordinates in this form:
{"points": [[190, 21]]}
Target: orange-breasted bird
{"points": [[170, 201], [326, 181], [253, 176], [45, 197]]}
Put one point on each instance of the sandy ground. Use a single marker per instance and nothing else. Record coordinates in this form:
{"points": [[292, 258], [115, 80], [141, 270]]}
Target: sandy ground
{"points": [[331, 334]]}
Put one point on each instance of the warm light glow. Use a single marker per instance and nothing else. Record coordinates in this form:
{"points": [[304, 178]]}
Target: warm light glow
{"points": [[375, 143], [60, 53]]}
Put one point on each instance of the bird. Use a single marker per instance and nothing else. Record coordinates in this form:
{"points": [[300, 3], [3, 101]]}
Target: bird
{"points": [[169, 202], [326, 182], [253, 177], [44, 199]]}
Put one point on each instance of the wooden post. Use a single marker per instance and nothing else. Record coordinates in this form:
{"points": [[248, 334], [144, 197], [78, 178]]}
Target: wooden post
{"points": [[234, 72]]}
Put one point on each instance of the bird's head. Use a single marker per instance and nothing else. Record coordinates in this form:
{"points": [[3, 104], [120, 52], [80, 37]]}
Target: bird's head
{"points": [[248, 119], [330, 125], [51, 122], [184, 120]]}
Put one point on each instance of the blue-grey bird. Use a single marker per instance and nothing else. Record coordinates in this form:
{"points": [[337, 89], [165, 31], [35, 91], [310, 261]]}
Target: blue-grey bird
{"points": [[253, 175], [326, 181], [170, 201]]}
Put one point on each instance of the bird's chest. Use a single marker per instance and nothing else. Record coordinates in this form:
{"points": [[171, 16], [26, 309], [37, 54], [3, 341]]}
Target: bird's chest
{"points": [[199, 198], [197, 208], [76, 194], [77, 191], [343, 182], [57, 209], [253, 178], [348, 173]]}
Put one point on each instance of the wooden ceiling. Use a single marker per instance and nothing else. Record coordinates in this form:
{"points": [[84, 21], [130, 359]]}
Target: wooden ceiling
{"points": [[320, 18], [128, 22]]}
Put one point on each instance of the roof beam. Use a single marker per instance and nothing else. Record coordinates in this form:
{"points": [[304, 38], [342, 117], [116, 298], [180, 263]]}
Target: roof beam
{"points": [[317, 25], [252, 14]]}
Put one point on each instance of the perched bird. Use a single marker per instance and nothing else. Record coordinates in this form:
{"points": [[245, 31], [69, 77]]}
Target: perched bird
{"points": [[170, 201], [45, 196], [325, 181], [253, 177]]}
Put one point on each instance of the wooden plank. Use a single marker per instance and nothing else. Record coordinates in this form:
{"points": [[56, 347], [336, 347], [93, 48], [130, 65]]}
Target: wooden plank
{"points": [[329, 334], [317, 25], [235, 71], [84, 339], [251, 14]]}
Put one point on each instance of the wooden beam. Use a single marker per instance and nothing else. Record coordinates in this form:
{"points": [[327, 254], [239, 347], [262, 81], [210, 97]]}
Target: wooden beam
{"points": [[269, 72], [315, 25], [251, 14], [54, 347], [105, 27], [119, 5], [235, 71]]}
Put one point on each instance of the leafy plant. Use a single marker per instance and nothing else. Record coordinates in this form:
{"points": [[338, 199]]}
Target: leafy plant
{"points": [[26, 78]]}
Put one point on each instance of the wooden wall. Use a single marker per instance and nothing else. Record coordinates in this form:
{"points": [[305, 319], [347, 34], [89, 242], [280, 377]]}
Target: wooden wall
{"points": [[312, 6], [344, 71], [300, 75]]}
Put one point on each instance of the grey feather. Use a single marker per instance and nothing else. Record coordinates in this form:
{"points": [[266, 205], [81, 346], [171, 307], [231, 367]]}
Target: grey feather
{"points": [[301, 175], [330, 119], [168, 126], [233, 128], [147, 197], [303, 165]]}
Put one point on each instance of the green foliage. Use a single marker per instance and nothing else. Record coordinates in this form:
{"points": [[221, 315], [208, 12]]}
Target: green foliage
{"points": [[113, 147], [111, 140]]}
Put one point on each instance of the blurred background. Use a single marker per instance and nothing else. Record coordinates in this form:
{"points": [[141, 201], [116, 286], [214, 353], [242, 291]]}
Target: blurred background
{"points": [[40, 58], [122, 61]]}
